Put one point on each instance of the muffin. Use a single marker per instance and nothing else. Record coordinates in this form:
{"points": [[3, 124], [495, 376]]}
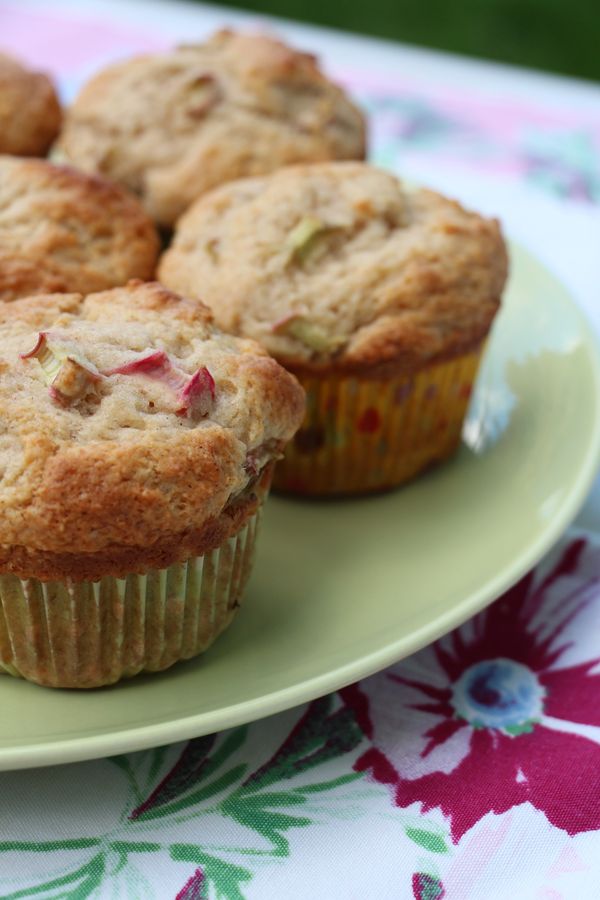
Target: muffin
{"points": [[377, 296], [30, 113], [61, 230], [136, 445], [174, 125]]}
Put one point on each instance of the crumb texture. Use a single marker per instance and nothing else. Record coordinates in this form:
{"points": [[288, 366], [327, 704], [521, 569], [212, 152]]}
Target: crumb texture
{"points": [[112, 458], [341, 264], [30, 113], [171, 126], [62, 230]]}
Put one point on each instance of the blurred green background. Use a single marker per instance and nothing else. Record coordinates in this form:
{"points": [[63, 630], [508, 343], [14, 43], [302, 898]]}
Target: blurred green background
{"points": [[556, 35]]}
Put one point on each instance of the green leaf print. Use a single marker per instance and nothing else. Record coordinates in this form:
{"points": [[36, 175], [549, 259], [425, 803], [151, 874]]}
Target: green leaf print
{"points": [[193, 766], [259, 812], [521, 728], [47, 846], [122, 762], [226, 877], [318, 737], [427, 839], [76, 885], [197, 796], [320, 786], [268, 803], [124, 848], [157, 758]]}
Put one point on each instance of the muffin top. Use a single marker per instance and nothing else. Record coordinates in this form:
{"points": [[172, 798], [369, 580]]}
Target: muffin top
{"points": [[61, 230], [30, 113], [340, 265], [174, 125], [131, 430]]}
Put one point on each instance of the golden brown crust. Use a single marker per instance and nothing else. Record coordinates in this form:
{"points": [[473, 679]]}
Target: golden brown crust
{"points": [[389, 358], [30, 113], [173, 126], [388, 279], [61, 230], [122, 477], [119, 561]]}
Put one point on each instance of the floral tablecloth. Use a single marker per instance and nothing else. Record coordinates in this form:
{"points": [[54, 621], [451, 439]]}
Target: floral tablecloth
{"points": [[470, 770]]}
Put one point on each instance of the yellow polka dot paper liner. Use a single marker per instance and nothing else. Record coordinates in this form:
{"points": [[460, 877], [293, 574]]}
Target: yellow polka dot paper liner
{"points": [[363, 435]]}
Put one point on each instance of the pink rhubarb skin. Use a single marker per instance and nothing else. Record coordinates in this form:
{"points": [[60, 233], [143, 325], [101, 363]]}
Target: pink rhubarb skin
{"points": [[195, 393], [41, 339], [198, 395], [280, 326]]}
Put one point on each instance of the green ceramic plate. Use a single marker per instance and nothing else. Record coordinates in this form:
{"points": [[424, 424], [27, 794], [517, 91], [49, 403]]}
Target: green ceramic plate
{"points": [[342, 589]]}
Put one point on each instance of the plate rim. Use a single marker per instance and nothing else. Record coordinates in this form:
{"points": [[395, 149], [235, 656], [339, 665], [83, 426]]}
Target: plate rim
{"points": [[80, 749]]}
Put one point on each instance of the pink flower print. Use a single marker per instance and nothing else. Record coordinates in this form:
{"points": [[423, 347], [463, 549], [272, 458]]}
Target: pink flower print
{"points": [[427, 887], [193, 889], [487, 719]]}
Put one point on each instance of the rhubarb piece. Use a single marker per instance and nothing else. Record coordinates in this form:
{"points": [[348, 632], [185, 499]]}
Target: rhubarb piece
{"points": [[73, 381], [198, 395], [143, 365], [212, 249], [195, 393], [203, 93], [258, 457], [67, 373], [155, 365], [302, 240], [308, 333], [281, 325]]}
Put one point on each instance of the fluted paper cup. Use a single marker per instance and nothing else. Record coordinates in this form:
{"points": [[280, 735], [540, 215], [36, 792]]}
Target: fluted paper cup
{"points": [[88, 634], [363, 434]]}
